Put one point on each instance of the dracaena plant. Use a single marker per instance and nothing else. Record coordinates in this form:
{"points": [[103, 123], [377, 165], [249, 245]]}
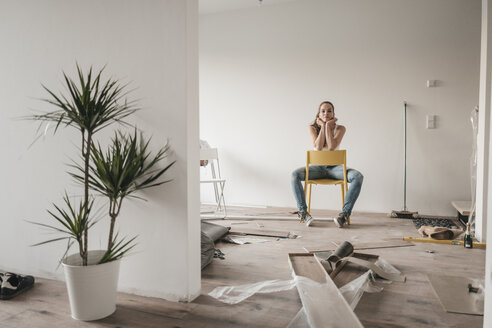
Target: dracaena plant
{"points": [[125, 167], [90, 105], [74, 220]]}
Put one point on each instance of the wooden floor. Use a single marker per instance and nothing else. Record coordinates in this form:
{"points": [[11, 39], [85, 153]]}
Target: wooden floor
{"points": [[409, 304]]}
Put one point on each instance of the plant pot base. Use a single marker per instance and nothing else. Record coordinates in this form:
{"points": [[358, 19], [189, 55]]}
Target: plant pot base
{"points": [[91, 289]]}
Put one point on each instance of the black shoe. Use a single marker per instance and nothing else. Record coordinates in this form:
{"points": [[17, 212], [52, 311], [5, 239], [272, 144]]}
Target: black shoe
{"points": [[341, 219], [12, 284]]}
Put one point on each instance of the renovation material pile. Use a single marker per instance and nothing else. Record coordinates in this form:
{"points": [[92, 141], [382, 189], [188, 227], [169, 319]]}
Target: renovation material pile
{"points": [[330, 285]]}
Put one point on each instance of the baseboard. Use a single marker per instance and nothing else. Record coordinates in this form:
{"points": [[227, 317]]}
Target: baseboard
{"points": [[260, 217]]}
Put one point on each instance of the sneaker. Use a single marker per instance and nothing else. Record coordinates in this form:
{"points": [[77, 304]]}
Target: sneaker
{"points": [[341, 219], [308, 219], [13, 284], [302, 216]]}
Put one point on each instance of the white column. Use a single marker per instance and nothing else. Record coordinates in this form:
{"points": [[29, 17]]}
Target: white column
{"points": [[484, 161], [483, 140], [193, 176]]}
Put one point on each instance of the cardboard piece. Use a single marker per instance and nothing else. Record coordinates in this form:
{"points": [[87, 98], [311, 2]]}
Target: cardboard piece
{"points": [[454, 296], [323, 303]]}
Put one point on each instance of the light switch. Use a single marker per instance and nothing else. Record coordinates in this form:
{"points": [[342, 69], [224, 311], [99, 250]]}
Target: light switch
{"points": [[430, 122], [431, 83]]}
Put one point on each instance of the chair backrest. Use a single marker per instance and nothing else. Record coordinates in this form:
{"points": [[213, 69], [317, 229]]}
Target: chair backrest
{"points": [[326, 157], [208, 154]]}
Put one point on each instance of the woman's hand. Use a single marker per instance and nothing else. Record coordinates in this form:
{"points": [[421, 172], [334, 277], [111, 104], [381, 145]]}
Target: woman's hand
{"points": [[320, 122], [331, 123]]}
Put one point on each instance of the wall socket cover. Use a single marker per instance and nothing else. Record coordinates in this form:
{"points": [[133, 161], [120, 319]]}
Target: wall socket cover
{"points": [[430, 121]]}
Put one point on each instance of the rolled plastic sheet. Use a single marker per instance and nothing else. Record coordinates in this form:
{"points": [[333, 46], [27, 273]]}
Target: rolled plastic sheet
{"points": [[473, 165]]}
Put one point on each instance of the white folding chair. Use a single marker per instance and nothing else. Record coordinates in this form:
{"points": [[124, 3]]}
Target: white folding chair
{"points": [[211, 155]]}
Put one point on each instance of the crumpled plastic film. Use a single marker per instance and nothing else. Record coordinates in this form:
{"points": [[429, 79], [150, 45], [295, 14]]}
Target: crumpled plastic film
{"points": [[317, 313], [353, 291], [236, 294], [300, 320], [473, 164], [386, 266]]}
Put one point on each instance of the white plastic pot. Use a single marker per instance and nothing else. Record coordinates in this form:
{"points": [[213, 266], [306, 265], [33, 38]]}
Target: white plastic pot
{"points": [[92, 288]]}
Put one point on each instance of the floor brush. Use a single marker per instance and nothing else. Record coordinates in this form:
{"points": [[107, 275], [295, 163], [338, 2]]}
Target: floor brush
{"points": [[404, 214]]}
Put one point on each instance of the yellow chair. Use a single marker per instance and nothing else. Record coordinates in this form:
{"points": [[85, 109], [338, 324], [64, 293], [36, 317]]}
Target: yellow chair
{"points": [[326, 157]]}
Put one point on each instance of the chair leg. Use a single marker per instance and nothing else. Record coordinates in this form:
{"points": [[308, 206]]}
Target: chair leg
{"points": [[222, 199], [309, 199], [343, 200], [343, 195], [217, 196], [216, 189]]}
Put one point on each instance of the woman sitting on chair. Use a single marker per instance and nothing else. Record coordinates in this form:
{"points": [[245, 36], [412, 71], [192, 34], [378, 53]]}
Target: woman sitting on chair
{"points": [[326, 135]]}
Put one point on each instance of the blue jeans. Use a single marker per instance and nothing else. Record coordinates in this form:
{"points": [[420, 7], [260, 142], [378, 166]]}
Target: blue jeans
{"points": [[354, 178]]}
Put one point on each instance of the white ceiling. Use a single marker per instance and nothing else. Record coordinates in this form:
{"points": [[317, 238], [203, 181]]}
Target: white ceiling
{"points": [[215, 6]]}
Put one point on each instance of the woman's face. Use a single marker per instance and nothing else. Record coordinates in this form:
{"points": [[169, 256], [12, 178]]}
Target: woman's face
{"points": [[326, 112]]}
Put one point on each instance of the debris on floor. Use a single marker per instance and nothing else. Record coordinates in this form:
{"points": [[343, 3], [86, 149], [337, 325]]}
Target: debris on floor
{"points": [[449, 223], [323, 303], [360, 246], [340, 291], [459, 294], [446, 242], [218, 254], [439, 233], [263, 232], [240, 240]]}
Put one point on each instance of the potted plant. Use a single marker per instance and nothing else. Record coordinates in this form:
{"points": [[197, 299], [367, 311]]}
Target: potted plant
{"points": [[120, 171]]}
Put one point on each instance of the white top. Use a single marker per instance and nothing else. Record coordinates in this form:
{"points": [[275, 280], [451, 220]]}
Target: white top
{"points": [[334, 132]]}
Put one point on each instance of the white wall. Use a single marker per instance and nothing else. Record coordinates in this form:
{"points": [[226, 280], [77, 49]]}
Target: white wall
{"points": [[264, 71], [153, 45]]}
